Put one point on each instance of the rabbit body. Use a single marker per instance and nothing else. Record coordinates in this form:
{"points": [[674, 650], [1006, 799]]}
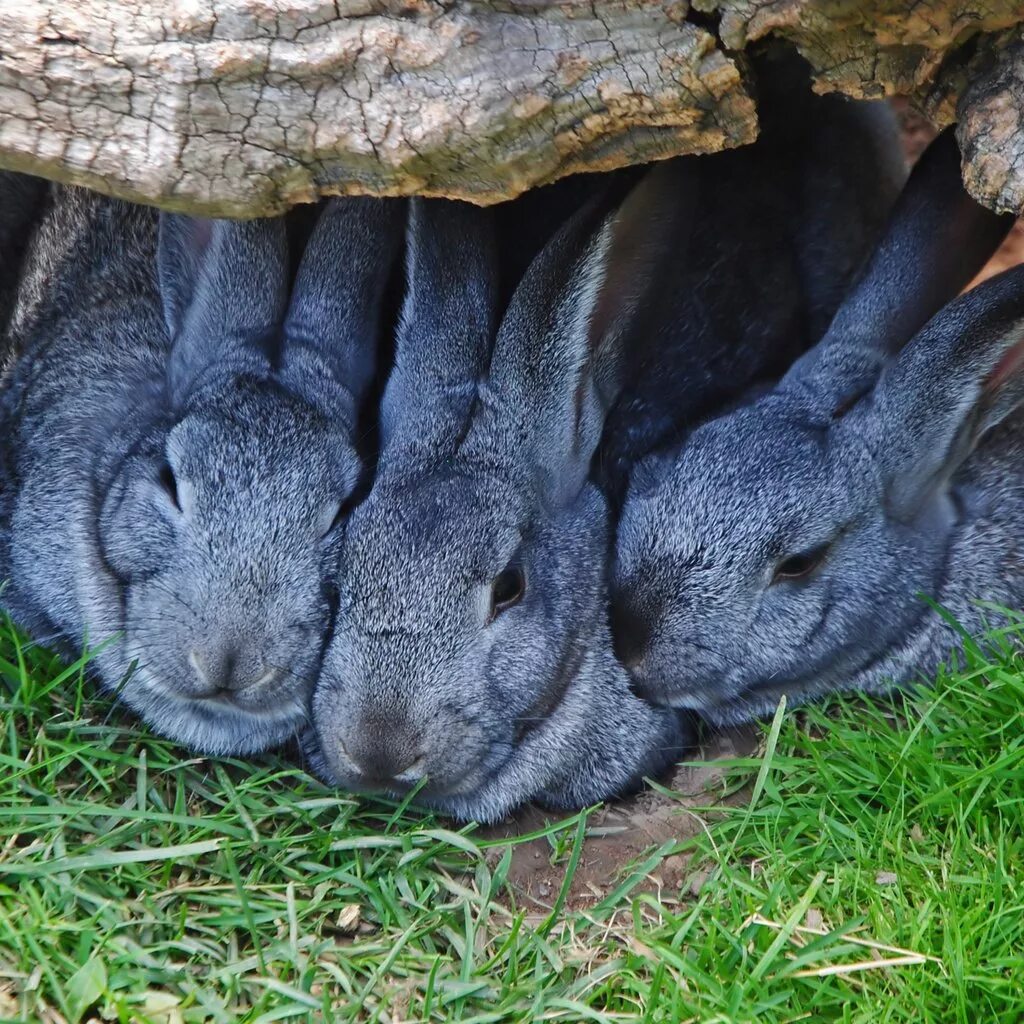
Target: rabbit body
{"points": [[53, 377], [172, 471], [783, 547], [472, 647]]}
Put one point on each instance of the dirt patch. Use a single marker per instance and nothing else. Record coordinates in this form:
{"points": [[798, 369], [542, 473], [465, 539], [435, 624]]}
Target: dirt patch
{"points": [[622, 833]]}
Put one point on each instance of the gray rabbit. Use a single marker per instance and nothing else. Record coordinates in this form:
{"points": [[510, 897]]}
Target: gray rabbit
{"points": [[178, 452], [471, 647], [784, 547]]}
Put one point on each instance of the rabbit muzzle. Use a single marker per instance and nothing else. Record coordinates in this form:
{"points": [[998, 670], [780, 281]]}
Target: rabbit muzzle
{"points": [[632, 630], [236, 688], [233, 673], [217, 721], [375, 754], [667, 666], [378, 737]]}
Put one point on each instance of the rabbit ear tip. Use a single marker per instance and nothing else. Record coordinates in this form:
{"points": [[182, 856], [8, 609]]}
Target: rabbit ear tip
{"points": [[1008, 366]]}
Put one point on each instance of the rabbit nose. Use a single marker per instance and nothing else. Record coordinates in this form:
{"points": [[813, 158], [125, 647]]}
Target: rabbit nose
{"points": [[227, 670], [382, 751], [631, 632]]}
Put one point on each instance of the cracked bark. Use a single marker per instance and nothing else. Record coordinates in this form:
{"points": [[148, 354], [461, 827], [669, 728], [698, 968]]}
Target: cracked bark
{"points": [[245, 107]]}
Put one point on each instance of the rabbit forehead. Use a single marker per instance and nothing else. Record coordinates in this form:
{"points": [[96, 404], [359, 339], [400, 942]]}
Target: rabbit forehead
{"points": [[470, 506], [449, 531], [256, 441], [753, 461], [743, 487]]}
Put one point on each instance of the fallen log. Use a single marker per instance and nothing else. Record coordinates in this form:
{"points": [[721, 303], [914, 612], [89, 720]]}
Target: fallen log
{"points": [[247, 107]]}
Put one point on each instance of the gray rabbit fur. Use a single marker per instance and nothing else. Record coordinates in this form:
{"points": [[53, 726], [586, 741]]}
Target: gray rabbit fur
{"points": [[783, 548], [178, 449], [471, 647], [780, 229]]}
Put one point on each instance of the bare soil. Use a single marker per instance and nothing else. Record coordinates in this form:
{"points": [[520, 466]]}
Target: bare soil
{"points": [[623, 832]]}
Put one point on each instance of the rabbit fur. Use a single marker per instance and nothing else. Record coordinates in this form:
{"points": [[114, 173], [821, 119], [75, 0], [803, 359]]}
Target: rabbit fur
{"points": [[178, 451], [471, 652], [784, 547], [781, 228]]}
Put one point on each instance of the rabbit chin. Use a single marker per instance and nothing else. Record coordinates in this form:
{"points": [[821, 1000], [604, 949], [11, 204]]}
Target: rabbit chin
{"points": [[688, 676], [458, 800], [210, 725], [716, 699], [504, 777]]}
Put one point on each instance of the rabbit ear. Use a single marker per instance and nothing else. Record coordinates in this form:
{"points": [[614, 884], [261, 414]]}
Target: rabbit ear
{"points": [[936, 240], [333, 322], [447, 325], [224, 286], [961, 375], [559, 363]]}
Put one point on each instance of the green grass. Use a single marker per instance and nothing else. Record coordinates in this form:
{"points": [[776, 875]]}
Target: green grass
{"points": [[136, 885]]}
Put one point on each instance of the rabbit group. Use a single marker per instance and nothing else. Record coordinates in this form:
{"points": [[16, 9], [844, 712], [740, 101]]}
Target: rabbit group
{"points": [[504, 548], [472, 656]]}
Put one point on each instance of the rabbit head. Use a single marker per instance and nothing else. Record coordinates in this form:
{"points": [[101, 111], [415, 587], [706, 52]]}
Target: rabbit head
{"points": [[215, 523], [782, 548], [471, 655]]}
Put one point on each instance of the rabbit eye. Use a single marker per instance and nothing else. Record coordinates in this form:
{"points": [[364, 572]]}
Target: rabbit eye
{"points": [[169, 484], [800, 565], [507, 590]]}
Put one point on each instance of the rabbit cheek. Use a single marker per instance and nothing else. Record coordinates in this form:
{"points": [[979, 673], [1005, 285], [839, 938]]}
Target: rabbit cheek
{"points": [[684, 672], [136, 537]]}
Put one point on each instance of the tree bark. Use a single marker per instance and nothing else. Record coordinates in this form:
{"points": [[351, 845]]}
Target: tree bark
{"points": [[991, 125], [246, 107]]}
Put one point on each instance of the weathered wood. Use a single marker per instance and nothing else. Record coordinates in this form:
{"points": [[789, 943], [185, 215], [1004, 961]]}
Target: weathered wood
{"points": [[991, 127], [245, 107], [867, 48], [252, 105], [959, 60]]}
